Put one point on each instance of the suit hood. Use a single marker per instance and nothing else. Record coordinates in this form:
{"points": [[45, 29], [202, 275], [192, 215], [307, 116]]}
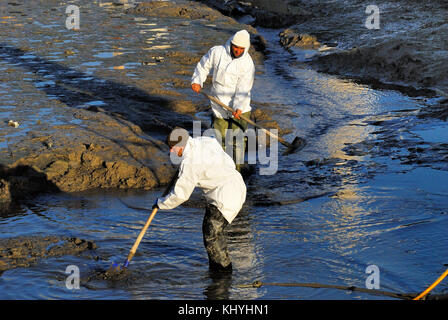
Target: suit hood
{"points": [[241, 39]]}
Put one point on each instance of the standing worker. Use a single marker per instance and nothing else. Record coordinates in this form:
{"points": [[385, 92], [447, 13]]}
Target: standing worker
{"points": [[233, 77], [205, 164]]}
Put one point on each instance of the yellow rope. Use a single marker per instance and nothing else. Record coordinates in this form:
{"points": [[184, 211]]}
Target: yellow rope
{"points": [[424, 293]]}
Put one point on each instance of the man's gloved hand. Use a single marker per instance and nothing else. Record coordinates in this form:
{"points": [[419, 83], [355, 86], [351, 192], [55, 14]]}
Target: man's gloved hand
{"points": [[155, 205], [237, 114], [196, 87]]}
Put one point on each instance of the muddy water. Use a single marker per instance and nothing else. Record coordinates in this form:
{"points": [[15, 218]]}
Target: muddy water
{"points": [[370, 188]]}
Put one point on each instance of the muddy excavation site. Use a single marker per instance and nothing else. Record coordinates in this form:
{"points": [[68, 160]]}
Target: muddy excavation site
{"points": [[84, 116]]}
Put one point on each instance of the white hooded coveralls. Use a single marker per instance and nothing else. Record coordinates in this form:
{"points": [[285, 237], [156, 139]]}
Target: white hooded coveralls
{"points": [[232, 78], [206, 165]]}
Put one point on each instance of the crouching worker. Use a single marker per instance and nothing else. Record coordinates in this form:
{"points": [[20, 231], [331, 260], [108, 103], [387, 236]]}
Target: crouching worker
{"points": [[205, 164]]}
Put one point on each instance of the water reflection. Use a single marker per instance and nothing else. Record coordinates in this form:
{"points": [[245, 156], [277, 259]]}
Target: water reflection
{"points": [[219, 288], [106, 55]]}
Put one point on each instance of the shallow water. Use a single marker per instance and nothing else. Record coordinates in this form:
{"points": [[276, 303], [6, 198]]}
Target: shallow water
{"points": [[371, 202]]}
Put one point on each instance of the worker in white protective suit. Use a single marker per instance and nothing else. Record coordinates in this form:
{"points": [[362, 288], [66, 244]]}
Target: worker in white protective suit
{"points": [[204, 164], [233, 77]]}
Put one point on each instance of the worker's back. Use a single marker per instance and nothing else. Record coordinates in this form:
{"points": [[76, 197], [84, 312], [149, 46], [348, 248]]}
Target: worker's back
{"points": [[213, 170]]}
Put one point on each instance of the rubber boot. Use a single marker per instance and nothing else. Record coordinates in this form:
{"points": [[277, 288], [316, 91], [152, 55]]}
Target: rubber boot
{"points": [[215, 242]]}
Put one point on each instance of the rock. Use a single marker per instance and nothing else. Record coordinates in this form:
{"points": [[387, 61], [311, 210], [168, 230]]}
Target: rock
{"points": [[391, 61], [183, 106], [69, 52], [259, 115], [289, 38]]}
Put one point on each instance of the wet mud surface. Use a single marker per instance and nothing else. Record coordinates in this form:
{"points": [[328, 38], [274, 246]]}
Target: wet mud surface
{"points": [[23, 252], [395, 134]]}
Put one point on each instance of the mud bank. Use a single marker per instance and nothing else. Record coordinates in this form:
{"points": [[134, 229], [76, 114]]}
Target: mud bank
{"points": [[408, 50], [94, 148], [25, 251], [87, 124]]}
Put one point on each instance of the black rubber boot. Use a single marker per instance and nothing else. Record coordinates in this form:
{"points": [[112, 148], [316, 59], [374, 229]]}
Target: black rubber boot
{"points": [[214, 240]]}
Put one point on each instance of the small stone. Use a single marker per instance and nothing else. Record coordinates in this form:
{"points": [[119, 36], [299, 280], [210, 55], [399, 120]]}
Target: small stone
{"points": [[14, 124]]}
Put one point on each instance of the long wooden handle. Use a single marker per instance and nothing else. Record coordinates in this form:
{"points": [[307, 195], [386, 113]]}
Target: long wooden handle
{"points": [[281, 140], [148, 222], [140, 236]]}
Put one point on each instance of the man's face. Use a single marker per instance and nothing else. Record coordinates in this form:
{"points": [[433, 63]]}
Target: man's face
{"points": [[177, 150], [237, 51]]}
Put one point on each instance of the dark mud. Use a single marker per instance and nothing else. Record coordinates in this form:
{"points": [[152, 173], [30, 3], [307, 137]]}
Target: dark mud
{"points": [[289, 38], [398, 137], [23, 252], [439, 111]]}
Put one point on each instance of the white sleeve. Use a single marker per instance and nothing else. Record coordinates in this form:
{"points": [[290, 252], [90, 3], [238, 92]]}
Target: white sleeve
{"points": [[182, 190], [203, 68], [243, 88]]}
